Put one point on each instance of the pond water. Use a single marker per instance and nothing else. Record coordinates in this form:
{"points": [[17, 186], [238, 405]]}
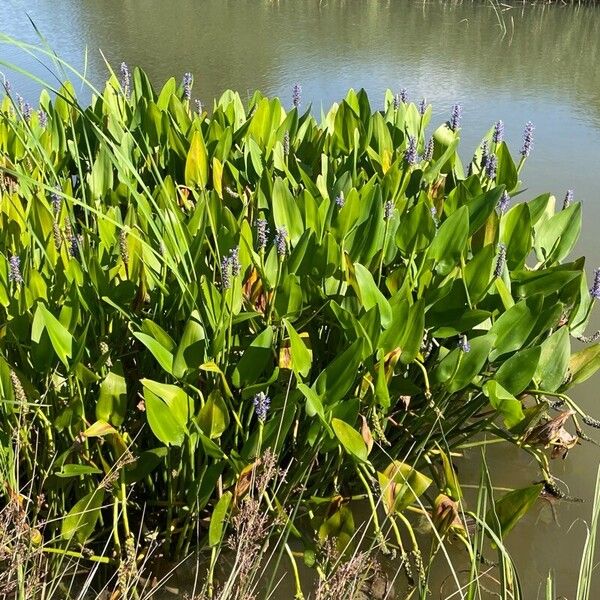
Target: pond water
{"points": [[535, 63]]}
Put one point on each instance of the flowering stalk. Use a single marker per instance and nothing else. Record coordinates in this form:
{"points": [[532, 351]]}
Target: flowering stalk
{"points": [[527, 143], [410, 154], [14, 270], [125, 80], [455, 117], [281, 236], [595, 289], [262, 234], [428, 154], [498, 135], [503, 203], [296, 95], [500, 261], [188, 80]]}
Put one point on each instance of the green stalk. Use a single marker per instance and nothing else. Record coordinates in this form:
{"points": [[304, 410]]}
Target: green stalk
{"points": [[378, 531]]}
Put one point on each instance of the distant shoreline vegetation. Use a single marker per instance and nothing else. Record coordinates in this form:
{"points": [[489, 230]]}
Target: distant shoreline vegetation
{"points": [[220, 331]]}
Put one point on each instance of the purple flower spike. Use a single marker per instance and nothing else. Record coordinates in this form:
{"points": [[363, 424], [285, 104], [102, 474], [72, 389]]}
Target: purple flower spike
{"points": [[262, 233], [43, 119], [485, 151], [422, 106], [281, 235], [75, 242], [225, 273], [503, 203], [340, 200], [568, 199], [262, 403], [463, 344], [595, 291], [125, 79], [500, 261], [187, 86], [428, 156], [14, 273], [56, 203], [490, 166], [234, 261], [296, 95], [199, 107], [498, 134], [410, 154], [527, 139], [27, 112], [455, 117]]}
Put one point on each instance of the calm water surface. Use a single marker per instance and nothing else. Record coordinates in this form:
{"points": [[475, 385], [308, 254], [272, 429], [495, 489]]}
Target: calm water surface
{"points": [[541, 65]]}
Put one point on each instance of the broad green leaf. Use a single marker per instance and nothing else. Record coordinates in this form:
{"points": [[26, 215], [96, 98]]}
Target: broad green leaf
{"points": [[80, 521], [512, 507], [506, 172], [350, 439], [255, 360], [61, 339], [450, 241], [338, 525], [554, 360], [504, 402], [190, 351], [515, 234], [382, 394], [459, 369], [370, 295], [517, 372], [334, 382], [168, 410], [218, 519], [513, 327], [112, 398], [286, 212], [401, 485], [583, 364], [301, 355], [160, 353], [556, 237], [213, 418], [75, 470]]}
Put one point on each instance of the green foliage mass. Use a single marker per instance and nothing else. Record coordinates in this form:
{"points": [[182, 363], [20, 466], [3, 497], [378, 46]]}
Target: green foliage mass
{"points": [[398, 314]]}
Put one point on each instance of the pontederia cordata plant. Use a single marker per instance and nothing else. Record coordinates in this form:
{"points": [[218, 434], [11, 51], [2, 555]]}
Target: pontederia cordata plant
{"points": [[186, 298]]}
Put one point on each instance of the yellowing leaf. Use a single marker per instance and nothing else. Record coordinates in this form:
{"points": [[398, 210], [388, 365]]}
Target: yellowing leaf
{"points": [[196, 165]]}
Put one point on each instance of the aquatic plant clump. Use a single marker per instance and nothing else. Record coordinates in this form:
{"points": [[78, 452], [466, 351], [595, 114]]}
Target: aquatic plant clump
{"points": [[183, 293]]}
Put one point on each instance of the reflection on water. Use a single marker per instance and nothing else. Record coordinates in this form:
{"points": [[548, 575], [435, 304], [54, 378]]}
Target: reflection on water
{"points": [[544, 69]]}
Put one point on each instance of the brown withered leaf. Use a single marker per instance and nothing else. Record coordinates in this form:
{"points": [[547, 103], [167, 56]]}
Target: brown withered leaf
{"points": [[285, 356], [404, 401], [244, 481], [254, 293], [545, 433], [563, 442], [446, 515], [366, 434]]}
